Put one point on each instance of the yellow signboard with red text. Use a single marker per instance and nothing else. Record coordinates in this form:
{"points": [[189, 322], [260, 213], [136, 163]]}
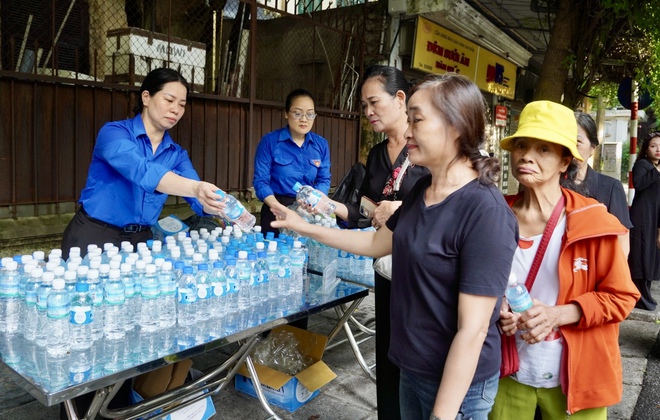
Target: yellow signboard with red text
{"points": [[438, 50]]}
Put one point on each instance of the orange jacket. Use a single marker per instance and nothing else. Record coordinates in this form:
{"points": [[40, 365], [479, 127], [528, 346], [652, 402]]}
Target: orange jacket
{"points": [[593, 273]]}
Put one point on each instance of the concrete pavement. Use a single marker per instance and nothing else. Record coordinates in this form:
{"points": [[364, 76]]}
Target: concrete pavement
{"points": [[352, 396]]}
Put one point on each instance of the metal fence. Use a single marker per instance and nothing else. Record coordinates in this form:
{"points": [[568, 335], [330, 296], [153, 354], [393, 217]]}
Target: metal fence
{"points": [[68, 66], [220, 46]]}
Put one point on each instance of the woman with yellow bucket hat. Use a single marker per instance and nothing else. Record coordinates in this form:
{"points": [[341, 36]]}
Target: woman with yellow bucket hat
{"points": [[567, 342]]}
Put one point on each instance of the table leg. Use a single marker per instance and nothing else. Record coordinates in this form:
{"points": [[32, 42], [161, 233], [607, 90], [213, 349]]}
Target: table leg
{"points": [[347, 314], [257, 387]]}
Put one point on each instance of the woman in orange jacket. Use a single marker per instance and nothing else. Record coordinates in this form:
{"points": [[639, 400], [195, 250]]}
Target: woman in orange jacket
{"points": [[567, 342]]}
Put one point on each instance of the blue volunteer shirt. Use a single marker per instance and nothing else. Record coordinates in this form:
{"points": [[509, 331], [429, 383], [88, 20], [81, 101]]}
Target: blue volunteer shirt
{"points": [[279, 163], [124, 172]]}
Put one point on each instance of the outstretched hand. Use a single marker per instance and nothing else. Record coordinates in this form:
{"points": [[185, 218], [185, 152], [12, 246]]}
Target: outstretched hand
{"points": [[287, 218]]}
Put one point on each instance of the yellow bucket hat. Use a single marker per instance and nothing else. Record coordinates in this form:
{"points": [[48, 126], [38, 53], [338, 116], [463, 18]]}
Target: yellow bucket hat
{"points": [[547, 121]]}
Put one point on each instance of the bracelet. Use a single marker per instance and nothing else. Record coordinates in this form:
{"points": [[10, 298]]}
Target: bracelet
{"points": [[434, 417]]}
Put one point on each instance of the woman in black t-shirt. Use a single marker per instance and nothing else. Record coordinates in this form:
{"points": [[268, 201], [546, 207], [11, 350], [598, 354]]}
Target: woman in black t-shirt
{"points": [[452, 242]]}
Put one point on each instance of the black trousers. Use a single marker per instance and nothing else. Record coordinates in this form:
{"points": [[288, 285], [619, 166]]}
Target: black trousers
{"points": [[645, 301], [387, 373], [267, 216], [84, 230]]}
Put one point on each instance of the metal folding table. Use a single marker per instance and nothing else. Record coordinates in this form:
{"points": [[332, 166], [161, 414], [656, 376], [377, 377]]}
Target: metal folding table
{"points": [[345, 295]]}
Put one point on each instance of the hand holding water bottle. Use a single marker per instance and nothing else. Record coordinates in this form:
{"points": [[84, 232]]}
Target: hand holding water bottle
{"points": [[235, 211], [313, 200]]}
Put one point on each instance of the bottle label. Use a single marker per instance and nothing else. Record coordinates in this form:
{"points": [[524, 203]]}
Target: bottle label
{"points": [[263, 277], [203, 291], [8, 290], [520, 303], [81, 315], [233, 287], [234, 211], [114, 298], [150, 291], [80, 377], [129, 289], [314, 198], [218, 289], [31, 297], [58, 311], [187, 296]]}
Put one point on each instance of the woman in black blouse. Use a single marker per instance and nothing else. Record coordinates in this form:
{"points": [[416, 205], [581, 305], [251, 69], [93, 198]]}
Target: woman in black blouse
{"points": [[383, 95], [603, 188]]}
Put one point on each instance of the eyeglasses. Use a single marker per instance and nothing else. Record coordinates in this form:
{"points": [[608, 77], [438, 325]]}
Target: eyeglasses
{"points": [[298, 115]]}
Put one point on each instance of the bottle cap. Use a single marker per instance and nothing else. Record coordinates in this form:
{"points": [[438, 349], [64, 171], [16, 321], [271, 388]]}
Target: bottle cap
{"points": [[513, 280]]}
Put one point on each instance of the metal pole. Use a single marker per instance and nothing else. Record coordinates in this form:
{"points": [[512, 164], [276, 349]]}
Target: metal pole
{"points": [[634, 106]]}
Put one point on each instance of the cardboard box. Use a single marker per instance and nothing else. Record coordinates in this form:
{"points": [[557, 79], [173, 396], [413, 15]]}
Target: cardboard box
{"points": [[134, 52], [167, 378], [286, 391], [168, 226]]}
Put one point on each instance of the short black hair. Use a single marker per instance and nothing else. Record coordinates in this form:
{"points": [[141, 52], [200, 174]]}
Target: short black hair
{"points": [[588, 124], [154, 81], [390, 77], [296, 93]]}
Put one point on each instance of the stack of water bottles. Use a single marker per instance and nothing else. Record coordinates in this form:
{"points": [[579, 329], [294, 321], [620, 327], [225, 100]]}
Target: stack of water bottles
{"points": [[63, 323], [356, 268], [66, 322]]}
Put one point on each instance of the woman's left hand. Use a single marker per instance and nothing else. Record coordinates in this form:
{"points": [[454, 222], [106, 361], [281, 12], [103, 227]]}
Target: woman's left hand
{"points": [[383, 212], [538, 322]]}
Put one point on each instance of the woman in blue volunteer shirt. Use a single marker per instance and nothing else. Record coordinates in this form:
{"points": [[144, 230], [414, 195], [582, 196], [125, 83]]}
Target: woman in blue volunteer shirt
{"points": [[289, 155], [135, 166]]}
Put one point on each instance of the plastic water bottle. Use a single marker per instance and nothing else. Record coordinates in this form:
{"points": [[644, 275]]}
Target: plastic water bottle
{"points": [[517, 295], [30, 323], [186, 310], [167, 287], [264, 283], [255, 276], [233, 289], [80, 323], [203, 310], [149, 318], [218, 310], [273, 258], [244, 276], [42, 330], [236, 212], [131, 305], [58, 341], [114, 329], [297, 256], [306, 194], [284, 273], [343, 264], [10, 315]]}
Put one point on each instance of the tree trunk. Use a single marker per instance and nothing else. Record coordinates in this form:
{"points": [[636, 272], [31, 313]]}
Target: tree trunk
{"points": [[554, 72]]}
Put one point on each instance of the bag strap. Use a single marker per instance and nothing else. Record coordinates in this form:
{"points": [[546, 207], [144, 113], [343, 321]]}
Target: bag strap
{"points": [[399, 178], [545, 239]]}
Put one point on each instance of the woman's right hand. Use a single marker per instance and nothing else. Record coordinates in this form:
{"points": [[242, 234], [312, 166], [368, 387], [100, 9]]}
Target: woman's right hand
{"points": [[286, 218], [508, 320]]}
